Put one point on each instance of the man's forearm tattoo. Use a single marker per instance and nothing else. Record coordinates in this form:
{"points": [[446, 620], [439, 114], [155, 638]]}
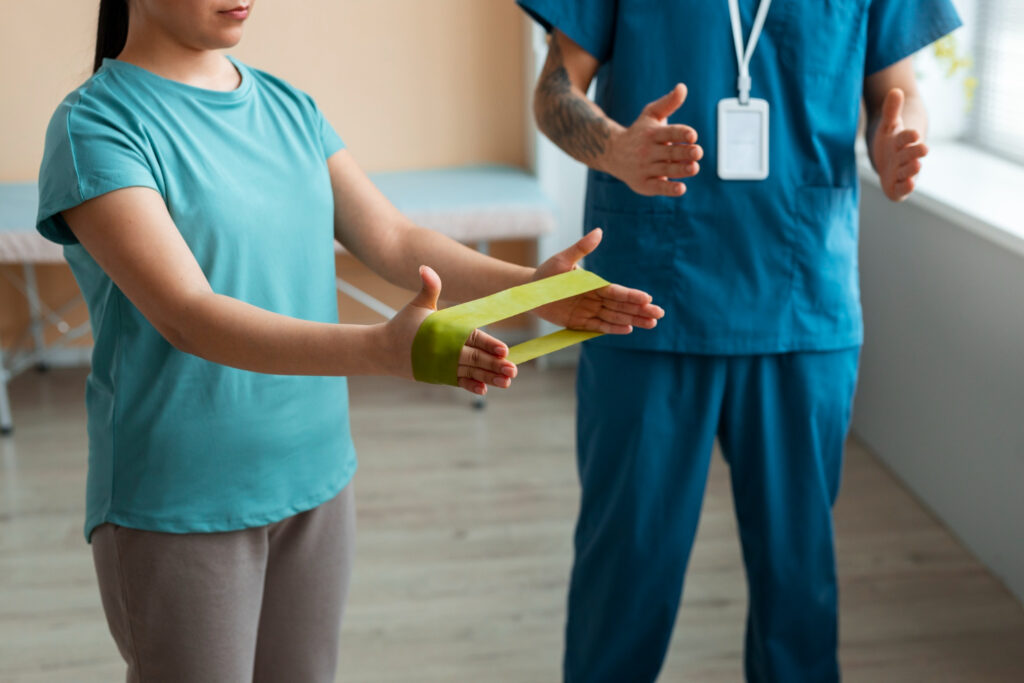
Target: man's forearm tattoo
{"points": [[566, 117]]}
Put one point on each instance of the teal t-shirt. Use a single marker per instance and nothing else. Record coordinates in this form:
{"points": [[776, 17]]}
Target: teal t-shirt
{"points": [[177, 443]]}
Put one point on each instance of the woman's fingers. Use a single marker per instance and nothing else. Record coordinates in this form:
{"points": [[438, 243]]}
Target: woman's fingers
{"points": [[615, 317], [615, 309], [624, 319], [484, 376], [639, 310], [479, 339], [630, 318], [643, 322], [473, 357], [482, 362], [622, 322], [619, 294], [596, 324]]}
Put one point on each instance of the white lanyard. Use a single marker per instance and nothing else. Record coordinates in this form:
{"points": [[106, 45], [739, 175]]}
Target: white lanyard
{"points": [[743, 58]]}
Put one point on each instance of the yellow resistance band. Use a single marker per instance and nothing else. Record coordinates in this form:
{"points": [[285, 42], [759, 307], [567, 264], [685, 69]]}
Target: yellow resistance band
{"points": [[439, 341]]}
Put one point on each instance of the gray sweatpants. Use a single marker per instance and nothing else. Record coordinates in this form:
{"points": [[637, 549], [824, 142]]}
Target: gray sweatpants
{"points": [[260, 604]]}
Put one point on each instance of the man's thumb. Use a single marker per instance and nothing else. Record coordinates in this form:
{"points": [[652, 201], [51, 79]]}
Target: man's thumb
{"points": [[892, 108], [664, 106], [430, 291]]}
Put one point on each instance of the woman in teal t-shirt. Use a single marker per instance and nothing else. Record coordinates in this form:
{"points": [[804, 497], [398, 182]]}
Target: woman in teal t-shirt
{"points": [[198, 200]]}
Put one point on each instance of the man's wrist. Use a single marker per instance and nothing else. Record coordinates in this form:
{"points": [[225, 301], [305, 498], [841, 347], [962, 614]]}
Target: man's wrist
{"points": [[605, 162]]}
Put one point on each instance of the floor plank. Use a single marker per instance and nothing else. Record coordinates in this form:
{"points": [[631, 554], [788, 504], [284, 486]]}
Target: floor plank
{"points": [[464, 547]]}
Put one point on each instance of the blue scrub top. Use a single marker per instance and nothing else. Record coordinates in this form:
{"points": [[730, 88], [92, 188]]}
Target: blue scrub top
{"points": [[743, 267]]}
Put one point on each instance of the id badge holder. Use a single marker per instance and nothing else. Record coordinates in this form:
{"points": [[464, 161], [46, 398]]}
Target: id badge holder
{"points": [[743, 139]]}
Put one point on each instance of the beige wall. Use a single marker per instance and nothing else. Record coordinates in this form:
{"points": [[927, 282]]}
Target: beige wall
{"points": [[45, 51], [407, 83]]}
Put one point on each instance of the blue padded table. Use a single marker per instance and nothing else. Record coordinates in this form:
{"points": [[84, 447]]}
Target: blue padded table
{"points": [[471, 204], [19, 241]]}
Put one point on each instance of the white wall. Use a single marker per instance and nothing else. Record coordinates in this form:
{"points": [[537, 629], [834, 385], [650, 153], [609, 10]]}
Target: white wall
{"points": [[941, 396], [561, 177]]}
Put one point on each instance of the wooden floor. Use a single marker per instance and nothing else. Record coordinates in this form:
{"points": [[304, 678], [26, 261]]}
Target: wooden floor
{"points": [[465, 520]]}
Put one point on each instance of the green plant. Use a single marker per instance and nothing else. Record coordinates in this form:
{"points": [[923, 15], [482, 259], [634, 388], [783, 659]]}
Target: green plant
{"points": [[947, 53]]}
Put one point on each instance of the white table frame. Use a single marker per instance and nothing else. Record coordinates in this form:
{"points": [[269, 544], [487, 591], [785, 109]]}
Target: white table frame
{"points": [[21, 359], [31, 348]]}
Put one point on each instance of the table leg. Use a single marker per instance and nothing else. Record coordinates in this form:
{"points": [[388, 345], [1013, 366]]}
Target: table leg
{"points": [[484, 247], [35, 312], [6, 424]]}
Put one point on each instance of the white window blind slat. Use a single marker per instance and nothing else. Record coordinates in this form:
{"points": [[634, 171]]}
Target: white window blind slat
{"points": [[998, 119]]}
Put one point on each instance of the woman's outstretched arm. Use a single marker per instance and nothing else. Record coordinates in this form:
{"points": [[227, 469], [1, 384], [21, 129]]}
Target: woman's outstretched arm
{"points": [[131, 235], [380, 236]]}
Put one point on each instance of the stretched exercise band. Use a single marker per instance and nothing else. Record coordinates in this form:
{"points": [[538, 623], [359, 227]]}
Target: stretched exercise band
{"points": [[439, 341]]}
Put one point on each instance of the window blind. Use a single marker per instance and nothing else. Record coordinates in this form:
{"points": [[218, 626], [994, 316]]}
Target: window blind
{"points": [[998, 117]]}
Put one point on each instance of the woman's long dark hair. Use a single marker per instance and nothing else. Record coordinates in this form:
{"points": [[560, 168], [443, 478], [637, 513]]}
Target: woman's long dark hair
{"points": [[111, 31]]}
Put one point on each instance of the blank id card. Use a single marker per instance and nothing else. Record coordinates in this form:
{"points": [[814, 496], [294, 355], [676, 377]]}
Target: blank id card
{"points": [[742, 139]]}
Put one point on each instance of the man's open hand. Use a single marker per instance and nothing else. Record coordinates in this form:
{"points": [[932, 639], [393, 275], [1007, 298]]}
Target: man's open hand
{"points": [[649, 154], [895, 150]]}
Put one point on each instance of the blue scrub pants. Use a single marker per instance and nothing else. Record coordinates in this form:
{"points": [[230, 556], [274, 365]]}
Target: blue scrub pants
{"points": [[645, 427]]}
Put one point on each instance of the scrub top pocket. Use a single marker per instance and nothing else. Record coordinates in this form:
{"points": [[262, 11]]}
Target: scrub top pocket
{"points": [[640, 235], [827, 275], [610, 195]]}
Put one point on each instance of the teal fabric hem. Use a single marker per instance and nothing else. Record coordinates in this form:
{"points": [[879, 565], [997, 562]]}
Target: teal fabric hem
{"points": [[207, 526]]}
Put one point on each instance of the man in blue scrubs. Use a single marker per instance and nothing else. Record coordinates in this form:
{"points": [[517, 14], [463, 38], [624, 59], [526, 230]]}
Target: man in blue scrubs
{"points": [[754, 259]]}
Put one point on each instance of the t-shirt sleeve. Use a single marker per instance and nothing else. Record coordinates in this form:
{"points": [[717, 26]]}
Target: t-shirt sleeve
{"points": [[899, 28], [588, 23], [330, 141], [87, 154]]}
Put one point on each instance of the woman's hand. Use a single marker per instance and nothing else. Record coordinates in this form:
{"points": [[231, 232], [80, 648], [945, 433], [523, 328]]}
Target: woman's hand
{"points": [[613, 309], [482, 361]]}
